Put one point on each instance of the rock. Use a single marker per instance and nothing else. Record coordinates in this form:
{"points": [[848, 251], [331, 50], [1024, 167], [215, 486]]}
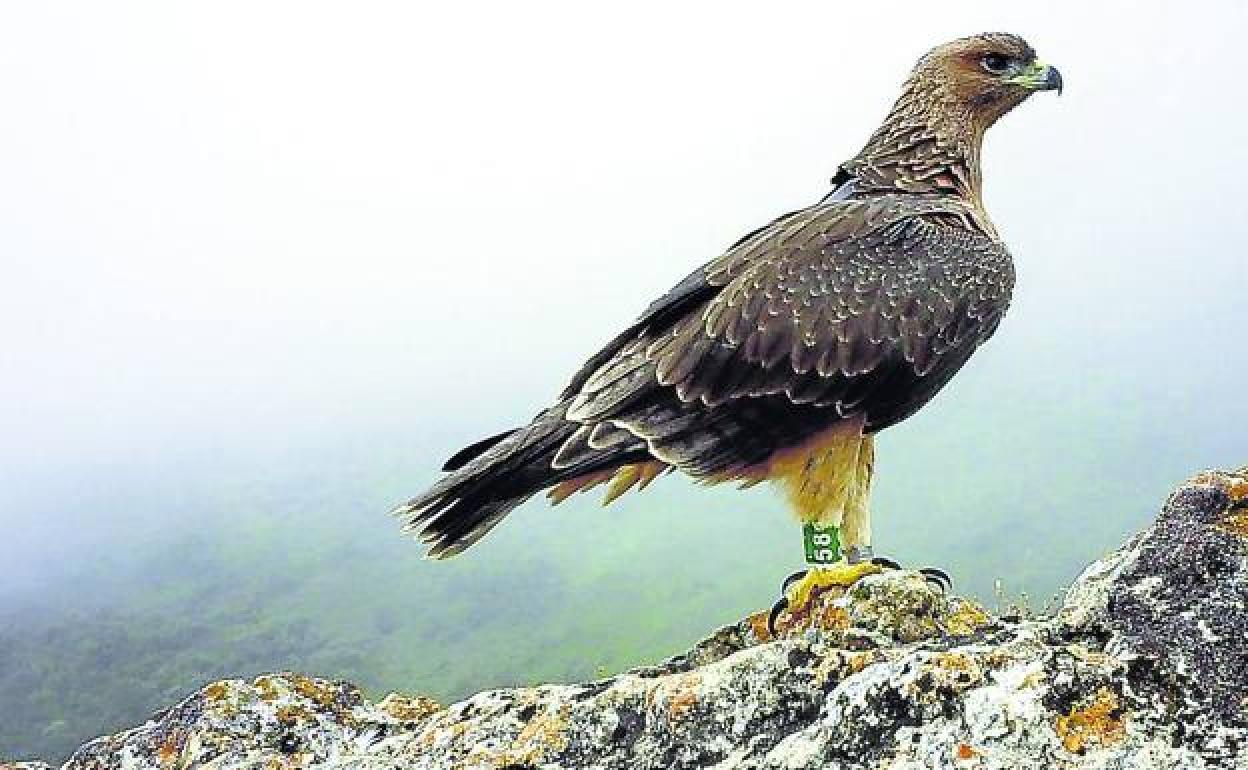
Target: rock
{"points": [[1145, 665]]}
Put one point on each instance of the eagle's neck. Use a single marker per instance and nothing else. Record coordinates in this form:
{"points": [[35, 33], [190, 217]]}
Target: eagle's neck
{"points": [[929, 143]]}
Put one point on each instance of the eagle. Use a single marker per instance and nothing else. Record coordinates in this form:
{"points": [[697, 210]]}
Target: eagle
{"points": [[782, 358]]}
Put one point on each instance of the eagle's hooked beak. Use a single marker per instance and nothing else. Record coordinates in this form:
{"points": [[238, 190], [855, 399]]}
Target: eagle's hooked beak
{"points": [[1039, 76]]}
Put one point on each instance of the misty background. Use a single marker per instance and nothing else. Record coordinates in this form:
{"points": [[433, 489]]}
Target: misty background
{"points": [[264, 265]]}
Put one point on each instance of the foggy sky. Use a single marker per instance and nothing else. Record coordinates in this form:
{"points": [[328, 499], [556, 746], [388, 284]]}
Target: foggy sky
{"points": [[230, 225]]}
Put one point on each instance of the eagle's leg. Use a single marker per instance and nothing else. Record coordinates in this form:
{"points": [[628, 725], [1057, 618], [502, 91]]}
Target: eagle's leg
{"points": [[856, 525], [830, 492]]}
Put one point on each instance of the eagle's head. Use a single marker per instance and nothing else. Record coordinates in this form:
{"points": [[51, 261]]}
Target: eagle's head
{"points": [[983, 76], [930, 141]]}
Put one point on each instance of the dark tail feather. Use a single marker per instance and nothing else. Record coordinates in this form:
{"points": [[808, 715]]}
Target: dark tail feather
{"points": [[482, 489], [474, 450]]}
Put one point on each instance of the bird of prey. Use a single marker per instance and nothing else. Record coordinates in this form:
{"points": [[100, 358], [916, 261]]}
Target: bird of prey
{"points": [[782, 358]]}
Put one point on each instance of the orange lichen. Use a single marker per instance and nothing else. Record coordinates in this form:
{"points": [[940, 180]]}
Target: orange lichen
{"points": [[267, 688], [965, 618], [946, 672], [216, 691], [758, 626], [684, 697], [1234, 484], [958, 663], [997, 659], [308, 688], [409, 709], [1239, 489], [830, 617], [169, 750], [857, 661], [291, 714], [1098, 723], [842, 665], [1235, 523], [964, 751], [544, 734]]}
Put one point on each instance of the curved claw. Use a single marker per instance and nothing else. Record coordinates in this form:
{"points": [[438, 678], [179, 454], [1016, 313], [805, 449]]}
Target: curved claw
{"points": [[780, 606], [886, 563], [938, 578], [791, 579]]}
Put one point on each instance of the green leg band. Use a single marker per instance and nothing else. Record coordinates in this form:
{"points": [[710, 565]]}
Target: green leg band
{"points": [[823, 544]]}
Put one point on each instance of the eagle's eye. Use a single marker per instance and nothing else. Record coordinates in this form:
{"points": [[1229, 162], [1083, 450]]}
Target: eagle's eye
{"points": [[996, 63]]}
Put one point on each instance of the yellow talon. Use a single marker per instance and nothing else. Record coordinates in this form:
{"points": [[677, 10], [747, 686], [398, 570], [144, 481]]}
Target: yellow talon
{"points": [[842, 574]]}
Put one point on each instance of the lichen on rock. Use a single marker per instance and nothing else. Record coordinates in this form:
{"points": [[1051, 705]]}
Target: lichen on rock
{"points": [[1097, 723], [1145, 665]]}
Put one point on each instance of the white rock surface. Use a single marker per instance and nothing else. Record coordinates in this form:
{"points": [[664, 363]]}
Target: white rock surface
{"points": [[1144, 666]]}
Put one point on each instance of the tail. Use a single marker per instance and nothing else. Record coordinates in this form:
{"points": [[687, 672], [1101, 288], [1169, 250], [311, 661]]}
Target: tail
{"points": [[488, 479]]}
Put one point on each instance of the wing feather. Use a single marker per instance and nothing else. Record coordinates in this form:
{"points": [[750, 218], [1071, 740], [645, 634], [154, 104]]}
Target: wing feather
{"points": [[850, 309]]}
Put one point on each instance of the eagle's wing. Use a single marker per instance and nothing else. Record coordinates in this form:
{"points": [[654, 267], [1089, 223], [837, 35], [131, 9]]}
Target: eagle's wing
{"points": [[851, 309], [844, 309]]}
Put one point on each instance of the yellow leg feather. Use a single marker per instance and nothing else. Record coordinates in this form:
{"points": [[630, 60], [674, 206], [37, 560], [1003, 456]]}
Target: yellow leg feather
{"points": [[828, 480]]}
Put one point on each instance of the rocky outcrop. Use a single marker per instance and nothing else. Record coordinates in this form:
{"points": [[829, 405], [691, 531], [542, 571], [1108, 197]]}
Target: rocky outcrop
{"points": [[1145, 665]]}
